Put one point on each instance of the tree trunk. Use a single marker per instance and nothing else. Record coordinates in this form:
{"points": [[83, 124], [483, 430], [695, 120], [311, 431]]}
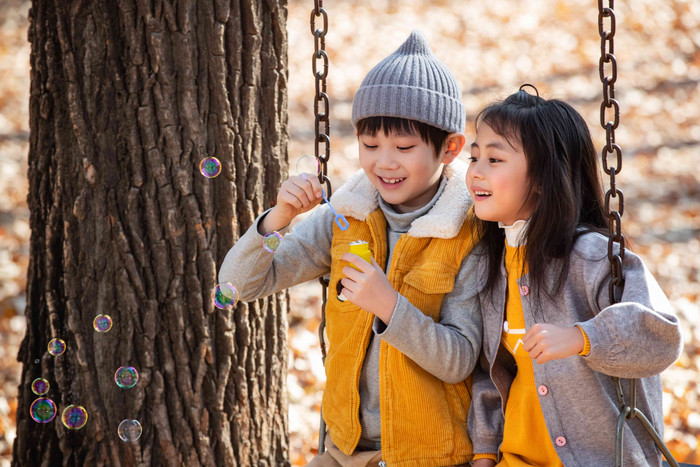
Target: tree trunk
{"points": [[127, 97]]}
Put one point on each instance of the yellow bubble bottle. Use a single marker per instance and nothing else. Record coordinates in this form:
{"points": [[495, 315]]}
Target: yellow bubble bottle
{"points": [[361, 249]]}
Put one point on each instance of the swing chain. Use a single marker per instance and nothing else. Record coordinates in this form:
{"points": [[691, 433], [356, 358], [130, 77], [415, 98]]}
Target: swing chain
{"points": [[611, 105], [319, 66], [322, 136]]}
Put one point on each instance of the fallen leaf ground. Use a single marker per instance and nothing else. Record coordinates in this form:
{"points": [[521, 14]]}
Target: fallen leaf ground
{"points": [[492, 47]]}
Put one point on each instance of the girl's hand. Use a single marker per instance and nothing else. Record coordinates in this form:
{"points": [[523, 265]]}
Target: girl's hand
{"points": [[297, 195], [547, 342], [369, 287]]}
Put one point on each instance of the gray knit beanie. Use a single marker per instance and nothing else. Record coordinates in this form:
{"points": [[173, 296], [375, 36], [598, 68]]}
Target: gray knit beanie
{"points": [[413, 84]]}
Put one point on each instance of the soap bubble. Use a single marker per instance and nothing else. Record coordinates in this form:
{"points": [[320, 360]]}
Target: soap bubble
{"points": [[308, 164], [74, 417], [102, 323], [129, 430], [42, 410], [272, 241], [57, 346], [210, 167], [40, 386], [224, 295], [126, 377]]}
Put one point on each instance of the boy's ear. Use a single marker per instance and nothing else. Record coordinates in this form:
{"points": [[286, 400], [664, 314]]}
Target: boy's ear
{"points": [[452, 147]]}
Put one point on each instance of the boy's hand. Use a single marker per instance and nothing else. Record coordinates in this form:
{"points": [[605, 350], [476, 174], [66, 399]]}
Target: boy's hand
{"points": [[484, 463], [298, 194], [369, 287], [547, 342]]}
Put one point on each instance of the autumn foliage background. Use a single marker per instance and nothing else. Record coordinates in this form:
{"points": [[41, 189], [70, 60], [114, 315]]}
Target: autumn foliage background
{"points": [[492, 47]]}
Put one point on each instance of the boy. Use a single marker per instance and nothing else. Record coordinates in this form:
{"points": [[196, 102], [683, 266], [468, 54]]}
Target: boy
{"points": [[402, 343]]}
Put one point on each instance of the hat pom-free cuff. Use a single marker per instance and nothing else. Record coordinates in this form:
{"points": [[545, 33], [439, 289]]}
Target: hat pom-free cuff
{"points": [[419, 104]]}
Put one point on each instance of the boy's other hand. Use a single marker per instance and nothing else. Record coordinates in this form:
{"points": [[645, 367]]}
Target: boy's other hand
{"points": [[547, 342], [484, 462], [369, 287], [297, 195]]}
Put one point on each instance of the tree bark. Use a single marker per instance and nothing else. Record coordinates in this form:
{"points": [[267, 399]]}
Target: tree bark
{"points": [[127, 97]]}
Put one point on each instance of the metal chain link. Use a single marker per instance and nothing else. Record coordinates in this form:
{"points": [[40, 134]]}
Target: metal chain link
{"points": [[319, 67], [611, 106]]}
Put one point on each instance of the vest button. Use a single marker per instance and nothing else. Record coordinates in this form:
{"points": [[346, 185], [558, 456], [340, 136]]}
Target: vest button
{"points": [[524, 290], [542, 390], [561, 441]]}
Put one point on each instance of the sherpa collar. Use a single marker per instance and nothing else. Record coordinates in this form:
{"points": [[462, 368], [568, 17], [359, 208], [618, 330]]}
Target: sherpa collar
{"points": [[358, 198]]}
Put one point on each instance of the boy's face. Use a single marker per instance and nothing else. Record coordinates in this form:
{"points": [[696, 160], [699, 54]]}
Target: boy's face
{"points": [[403, 167]]}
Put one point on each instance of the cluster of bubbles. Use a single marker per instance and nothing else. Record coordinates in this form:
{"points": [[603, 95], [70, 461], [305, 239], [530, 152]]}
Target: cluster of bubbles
{"points": [[75, 417]]}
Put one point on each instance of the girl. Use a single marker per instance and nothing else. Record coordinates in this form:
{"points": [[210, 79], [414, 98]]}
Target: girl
{"points": [[552, 339]]}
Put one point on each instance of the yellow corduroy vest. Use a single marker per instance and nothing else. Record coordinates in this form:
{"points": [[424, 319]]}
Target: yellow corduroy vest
{"points": [[424, 420]]}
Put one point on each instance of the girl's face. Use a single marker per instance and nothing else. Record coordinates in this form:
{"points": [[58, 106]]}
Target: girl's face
{"points": [[497, 178]]}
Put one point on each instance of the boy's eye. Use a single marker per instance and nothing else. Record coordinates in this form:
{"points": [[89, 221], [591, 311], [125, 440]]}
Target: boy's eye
{"points": [[370, 146], [404, 148], [492, 160], [472, 159]]}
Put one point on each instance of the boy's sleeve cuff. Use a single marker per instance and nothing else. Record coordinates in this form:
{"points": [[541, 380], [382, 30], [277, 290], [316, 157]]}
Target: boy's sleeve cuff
{"points": [[493, 457], [586, 343]]}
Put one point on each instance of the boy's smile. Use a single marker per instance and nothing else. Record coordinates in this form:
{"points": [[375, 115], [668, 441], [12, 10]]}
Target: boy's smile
{"points": [[403, 168]]}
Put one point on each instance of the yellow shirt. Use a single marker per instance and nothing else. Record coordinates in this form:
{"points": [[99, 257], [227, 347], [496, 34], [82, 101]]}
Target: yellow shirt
{"points": [[526, 440]]}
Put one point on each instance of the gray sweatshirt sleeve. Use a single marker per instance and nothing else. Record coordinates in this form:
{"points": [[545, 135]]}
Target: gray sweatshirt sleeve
{"points": [[448, 349], [638, 337], [303, 254]]}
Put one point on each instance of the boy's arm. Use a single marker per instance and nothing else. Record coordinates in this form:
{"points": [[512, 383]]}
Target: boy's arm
{"points": [[303, 254], [448, 349]]}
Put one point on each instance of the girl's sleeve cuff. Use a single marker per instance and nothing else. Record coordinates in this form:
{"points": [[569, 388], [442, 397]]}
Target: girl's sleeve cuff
{"points": [[493, 457], [586, 343]]}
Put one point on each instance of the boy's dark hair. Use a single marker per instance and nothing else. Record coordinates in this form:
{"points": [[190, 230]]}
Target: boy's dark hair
{"points": [[563, 171], [431, 135]]}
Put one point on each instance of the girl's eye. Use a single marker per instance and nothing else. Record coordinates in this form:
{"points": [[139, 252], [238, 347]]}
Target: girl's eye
{"points": [[473, 159], [492, 160], [370, 146]]}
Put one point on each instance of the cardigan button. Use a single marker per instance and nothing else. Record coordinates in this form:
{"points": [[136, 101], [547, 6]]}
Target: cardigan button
{"points": [[561, 441], [524, 290], [542, 390]]}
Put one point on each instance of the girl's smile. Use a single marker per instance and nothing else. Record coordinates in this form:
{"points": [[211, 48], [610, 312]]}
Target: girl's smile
{"points": [[497, 178]]}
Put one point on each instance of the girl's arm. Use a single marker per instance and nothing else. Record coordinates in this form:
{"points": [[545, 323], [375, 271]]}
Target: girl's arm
{"points": [[638, 337], [485, 422]]}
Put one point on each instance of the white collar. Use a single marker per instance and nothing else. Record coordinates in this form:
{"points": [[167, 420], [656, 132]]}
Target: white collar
{"points": [[358, 198], [515, 234]]}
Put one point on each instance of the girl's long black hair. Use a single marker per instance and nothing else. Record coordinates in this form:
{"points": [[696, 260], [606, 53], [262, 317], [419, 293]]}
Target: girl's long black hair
{"points": [[565, 184]]}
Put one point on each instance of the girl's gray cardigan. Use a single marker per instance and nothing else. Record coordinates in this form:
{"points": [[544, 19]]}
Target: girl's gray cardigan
{"points": [[636, 338]]}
